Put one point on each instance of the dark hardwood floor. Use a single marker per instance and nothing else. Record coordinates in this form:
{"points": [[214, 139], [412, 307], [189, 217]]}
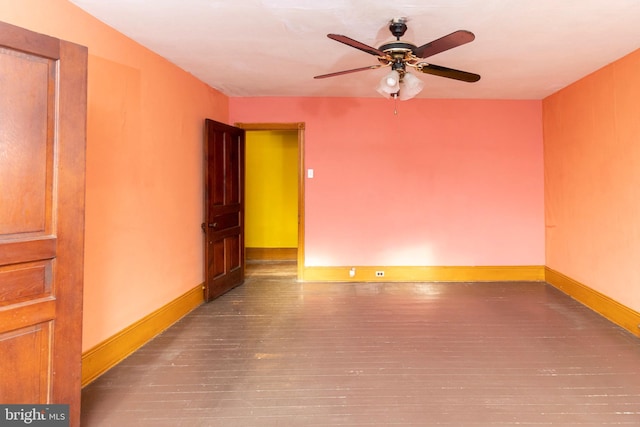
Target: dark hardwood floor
{"points": [[275, 352]]}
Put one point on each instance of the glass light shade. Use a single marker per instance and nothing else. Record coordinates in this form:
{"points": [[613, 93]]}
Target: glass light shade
{"points": [[410, 86], [389, 85]]}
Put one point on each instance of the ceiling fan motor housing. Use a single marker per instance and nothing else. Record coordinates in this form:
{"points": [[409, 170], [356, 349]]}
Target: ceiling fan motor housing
{"points": [[399, 51], [398, 27]]}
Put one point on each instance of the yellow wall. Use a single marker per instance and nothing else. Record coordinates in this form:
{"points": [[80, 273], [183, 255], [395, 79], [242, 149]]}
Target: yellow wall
{"points": [[271, 198]]}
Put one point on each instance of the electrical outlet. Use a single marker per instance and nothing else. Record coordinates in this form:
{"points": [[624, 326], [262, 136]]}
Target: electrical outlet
{"points": [[379, 273]]}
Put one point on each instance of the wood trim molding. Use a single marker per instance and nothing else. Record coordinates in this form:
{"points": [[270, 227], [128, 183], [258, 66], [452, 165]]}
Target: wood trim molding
{"points": [[270, 126], [607, 307], [113, 350], [301, 199], [265, 254], [426, 274]]}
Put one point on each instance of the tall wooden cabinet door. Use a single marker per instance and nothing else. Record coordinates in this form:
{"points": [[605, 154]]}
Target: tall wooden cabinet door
{"points": [[43, 86]]}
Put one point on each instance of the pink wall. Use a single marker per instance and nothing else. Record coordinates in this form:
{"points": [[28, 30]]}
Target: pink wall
{"points": [[143, 245], [443, 183], [592, 177]]}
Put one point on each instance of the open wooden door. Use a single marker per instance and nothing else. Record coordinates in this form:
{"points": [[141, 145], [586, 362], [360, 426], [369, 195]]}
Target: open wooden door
{"points": [[43, 86], [224, 208]]}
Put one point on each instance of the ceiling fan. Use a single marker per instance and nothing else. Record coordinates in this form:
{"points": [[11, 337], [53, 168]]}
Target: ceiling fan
{"points": [[401, 54]]}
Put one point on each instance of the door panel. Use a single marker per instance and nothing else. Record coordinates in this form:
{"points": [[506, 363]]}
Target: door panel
{"points": [[224, 208], [42, 161], [25, 352]]}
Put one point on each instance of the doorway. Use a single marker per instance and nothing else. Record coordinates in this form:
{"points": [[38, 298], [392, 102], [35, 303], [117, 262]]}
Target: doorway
{"points": [[289, 244]]}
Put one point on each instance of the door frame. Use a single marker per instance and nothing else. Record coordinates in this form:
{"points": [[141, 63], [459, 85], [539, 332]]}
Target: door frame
{"points": [[297, 126]]}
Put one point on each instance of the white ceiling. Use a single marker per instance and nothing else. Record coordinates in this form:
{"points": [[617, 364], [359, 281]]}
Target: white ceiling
{"points": [[524, 49]]}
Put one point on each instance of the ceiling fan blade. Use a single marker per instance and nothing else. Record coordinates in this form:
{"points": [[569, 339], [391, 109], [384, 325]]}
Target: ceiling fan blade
{"points": [[449, 73], [354, 43], [355, 70], [447, 42]]}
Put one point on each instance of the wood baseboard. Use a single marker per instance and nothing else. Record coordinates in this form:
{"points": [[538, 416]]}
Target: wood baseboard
{"points": [[271, 254], [110, 352], [425, 274], [617, 313], [113, 350]]}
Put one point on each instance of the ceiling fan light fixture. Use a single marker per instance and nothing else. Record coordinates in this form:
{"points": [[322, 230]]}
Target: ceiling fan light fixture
{"points": [[399, 54], [389, 85], [410, 87]]}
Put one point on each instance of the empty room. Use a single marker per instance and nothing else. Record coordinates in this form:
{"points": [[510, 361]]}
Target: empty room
{"points": [[282, 213]]}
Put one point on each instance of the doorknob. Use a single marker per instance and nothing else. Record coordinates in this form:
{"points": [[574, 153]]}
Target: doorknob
{"points": [[210, 225]]}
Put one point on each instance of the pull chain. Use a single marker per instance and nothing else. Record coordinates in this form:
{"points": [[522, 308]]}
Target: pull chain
{"points": [[395, 104]]}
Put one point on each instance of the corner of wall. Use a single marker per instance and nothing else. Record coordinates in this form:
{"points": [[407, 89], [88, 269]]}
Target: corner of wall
{"points": [[115, 349], [610, 309]]}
